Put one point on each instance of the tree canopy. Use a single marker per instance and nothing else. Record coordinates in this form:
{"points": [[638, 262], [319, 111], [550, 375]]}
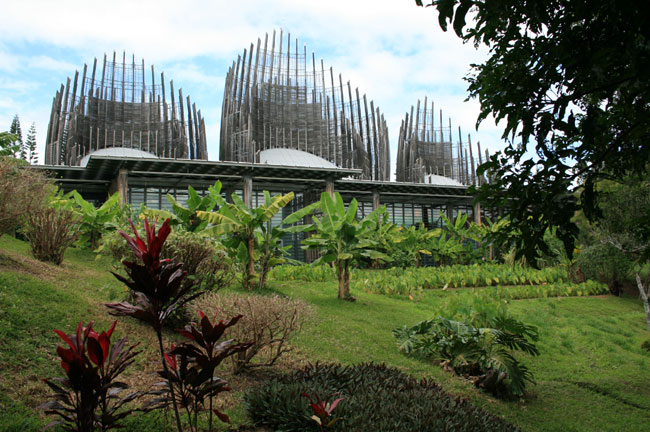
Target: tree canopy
{"points": [[569, 79]]}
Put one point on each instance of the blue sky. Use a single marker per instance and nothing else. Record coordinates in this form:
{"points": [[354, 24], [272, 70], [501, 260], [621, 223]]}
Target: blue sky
{"points": [[391, 50]]}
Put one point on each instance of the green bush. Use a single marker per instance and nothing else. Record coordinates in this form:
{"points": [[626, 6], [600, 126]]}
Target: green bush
{"points": [[206, 264], [374, 398], [483, 353], [309, 273], [397, 281], [604, 263]]}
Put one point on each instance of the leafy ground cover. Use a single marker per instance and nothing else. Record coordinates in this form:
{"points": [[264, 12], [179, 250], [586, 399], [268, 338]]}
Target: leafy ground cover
{"points": [[591, 374]]}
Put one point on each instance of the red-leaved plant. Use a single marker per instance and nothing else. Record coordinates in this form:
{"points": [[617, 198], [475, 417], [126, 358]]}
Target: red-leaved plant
{"points": [[88, 397], [191, 368], [156, 286], [322, 410]]}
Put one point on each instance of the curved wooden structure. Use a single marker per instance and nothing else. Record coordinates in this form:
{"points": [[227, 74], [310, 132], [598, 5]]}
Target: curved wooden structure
{"points": [[115, 107], [277, 97], [426, 148]]}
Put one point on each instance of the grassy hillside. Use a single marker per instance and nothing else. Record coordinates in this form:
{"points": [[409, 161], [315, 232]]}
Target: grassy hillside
{"points": [[591, 374]]}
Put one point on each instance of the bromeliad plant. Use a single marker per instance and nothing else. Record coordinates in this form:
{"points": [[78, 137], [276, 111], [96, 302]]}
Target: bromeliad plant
{"points": [[156, 286], [191, 369], [88, 397]]}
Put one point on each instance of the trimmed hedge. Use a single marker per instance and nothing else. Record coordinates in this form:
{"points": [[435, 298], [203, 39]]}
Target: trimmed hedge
{"points": [[375, 398]]}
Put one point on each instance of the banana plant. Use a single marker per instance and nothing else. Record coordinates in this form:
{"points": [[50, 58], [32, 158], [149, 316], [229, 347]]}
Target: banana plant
{"points": [[341, 238], [417, 242], [385, 233], [186, 217], [94, 221], [240, 224]]}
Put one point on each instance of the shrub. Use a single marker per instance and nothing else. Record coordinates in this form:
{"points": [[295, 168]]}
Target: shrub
{"points": [[269, 322], [191, 365], [207, 266], [156, 286], [50, 231], [88, 397], [22, 191], [485, 353], [604, 263], [374, 398]]}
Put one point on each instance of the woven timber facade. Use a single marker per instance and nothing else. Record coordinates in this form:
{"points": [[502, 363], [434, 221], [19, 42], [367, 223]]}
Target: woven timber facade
{"points": [[277, 97], [428, 148], [116, 107]]}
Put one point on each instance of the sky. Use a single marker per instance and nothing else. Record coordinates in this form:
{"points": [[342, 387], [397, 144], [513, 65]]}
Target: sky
{"points": [[392, 50]]}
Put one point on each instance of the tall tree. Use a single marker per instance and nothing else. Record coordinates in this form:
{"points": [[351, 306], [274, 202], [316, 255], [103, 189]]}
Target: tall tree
{"points": [[30, 145], [569, 79], [15, 130]]}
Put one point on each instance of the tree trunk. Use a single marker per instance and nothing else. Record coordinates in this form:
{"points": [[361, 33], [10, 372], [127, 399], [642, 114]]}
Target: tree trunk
{"points": [[251, 262], [644, 297], [341, 278], [346, 280]]}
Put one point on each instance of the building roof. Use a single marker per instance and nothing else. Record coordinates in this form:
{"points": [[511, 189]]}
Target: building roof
{"points": [[292, 157]]}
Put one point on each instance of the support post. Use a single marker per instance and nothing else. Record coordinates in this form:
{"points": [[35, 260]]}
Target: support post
{"points": [[329, 187], [375, 200], [248, 191], [121, 185]]}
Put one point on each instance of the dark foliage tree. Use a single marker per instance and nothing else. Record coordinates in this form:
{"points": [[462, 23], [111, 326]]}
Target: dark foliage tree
{"points": [[15, 130], [30, 145], [569, 80]]}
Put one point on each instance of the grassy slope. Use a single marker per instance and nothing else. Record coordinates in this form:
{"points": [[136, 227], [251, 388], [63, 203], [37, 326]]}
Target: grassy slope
{"points": [[591, 373]]}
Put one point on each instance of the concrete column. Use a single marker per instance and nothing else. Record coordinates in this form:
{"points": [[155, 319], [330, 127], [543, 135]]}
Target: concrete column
{"points": [[120, 184], [450, 211], [375, 200], [329, 187], [248, 191]]}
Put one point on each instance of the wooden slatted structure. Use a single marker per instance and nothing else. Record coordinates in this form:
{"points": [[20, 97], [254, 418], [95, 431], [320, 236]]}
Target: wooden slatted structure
{"points": [[118, 108], [428, 148], [276, 96]]}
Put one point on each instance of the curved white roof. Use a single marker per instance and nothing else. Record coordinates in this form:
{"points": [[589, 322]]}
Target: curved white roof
{"points": [[292, 157], [119, 152], [440, 180]]}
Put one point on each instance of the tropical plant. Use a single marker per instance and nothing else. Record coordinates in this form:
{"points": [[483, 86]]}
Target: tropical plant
{"points": [[376, 398], [240, 224], [341, 238], [89, 397], [93, 221], [322, 410], [482, 352], [386, 235], [156, 287], [190, 371], [187, 217], [416, 241]]}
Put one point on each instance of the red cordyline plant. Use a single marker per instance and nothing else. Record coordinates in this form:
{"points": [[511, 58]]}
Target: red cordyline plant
{"points": [[88, 398], [156, 286], [322, 410], [191, 368]]}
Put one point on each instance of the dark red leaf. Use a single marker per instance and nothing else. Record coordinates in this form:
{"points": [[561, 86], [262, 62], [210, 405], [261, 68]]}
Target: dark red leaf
{"points": [[223, 417]]}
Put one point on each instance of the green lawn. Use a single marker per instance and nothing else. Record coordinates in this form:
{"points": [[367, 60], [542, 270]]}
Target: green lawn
{"points": [[591, 375]]}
